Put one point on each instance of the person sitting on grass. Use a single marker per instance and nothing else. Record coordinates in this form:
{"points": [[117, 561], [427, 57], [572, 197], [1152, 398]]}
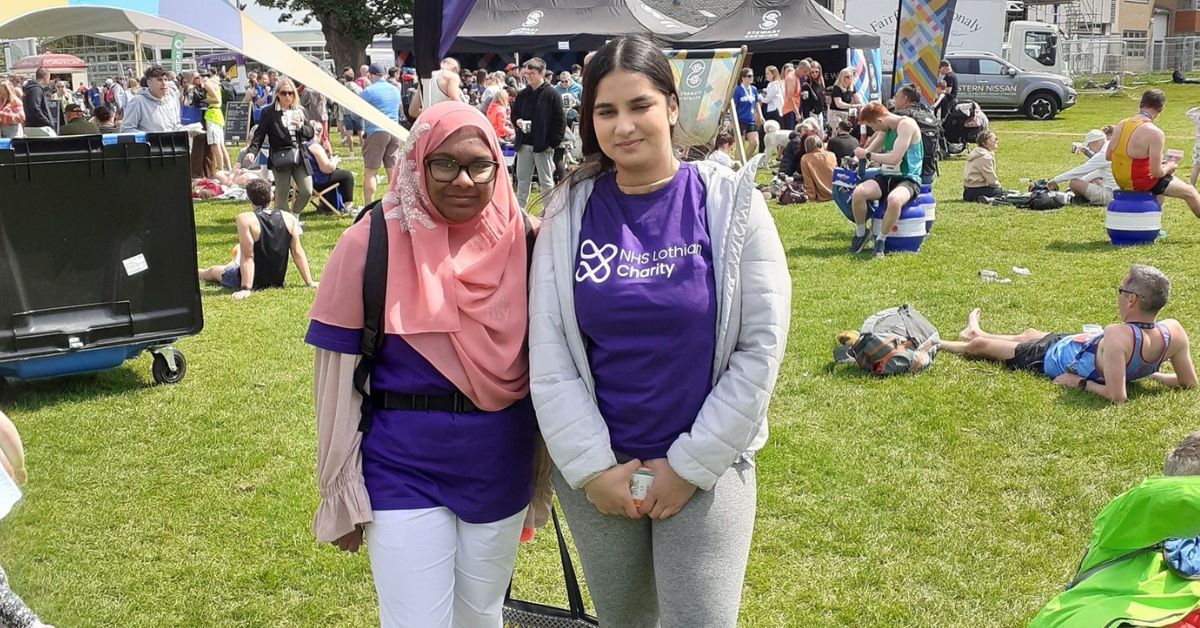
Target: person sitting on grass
{"points": [[13, 611], [1098, 362], [899, 181], [980, 183], [105, 123], [721, 149], [817, 166], [1092, 180], [265, 236], [1143, 557], [1136, 153], [77, 122]]}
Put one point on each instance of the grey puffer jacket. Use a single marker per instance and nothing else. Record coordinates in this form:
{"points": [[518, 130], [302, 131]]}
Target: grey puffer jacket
{"points": [[753, 314]]}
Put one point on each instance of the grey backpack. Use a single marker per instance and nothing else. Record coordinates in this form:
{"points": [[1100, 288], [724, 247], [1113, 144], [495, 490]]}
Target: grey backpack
{"points": [[895, 341]]}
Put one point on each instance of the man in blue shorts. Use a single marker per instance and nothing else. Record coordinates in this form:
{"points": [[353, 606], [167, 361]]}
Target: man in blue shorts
{"points": [[1100, 362]]}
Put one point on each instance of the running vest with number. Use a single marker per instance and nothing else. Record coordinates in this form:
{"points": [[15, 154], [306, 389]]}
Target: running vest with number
{"points": [[271, 249], [912, 162], [1131, 174], [1077, 355]]}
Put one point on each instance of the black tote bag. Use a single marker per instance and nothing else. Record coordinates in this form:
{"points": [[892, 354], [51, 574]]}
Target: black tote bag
{"points": [[519, 614]]}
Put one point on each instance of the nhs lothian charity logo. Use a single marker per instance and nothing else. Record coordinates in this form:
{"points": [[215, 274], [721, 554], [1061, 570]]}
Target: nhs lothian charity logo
{"points": [[603, 256], [598, 263]]}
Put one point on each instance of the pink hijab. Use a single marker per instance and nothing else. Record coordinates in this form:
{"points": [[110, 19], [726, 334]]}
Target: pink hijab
{"points": [[456, 292]]}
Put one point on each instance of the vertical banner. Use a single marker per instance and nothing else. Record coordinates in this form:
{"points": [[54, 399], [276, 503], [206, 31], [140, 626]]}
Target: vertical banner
{"points": [[176, 53], [920, 42], [865, 64], [704, 80]]}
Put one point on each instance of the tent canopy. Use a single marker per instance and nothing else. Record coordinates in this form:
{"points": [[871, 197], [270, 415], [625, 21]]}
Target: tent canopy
{"points": [[528, 25], [50, 62], [781, 26], [212, 20]]}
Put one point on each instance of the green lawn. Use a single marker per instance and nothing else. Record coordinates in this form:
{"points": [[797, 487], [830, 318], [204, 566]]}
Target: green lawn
{"points": [[963, 496]]}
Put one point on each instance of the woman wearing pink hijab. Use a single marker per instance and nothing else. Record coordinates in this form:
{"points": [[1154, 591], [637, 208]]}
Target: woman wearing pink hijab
{"points": [[441, 495]]}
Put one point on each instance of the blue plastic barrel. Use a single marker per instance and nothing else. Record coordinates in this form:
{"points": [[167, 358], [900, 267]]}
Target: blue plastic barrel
{"points": [[1133, 218], [929, 205], [844, 180], [910, 229]]}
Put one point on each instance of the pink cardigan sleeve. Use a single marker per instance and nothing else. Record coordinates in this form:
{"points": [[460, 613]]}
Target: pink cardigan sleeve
{"points": [[343, 493]]}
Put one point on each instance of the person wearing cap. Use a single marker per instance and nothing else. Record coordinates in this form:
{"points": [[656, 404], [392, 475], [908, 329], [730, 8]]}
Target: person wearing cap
{"points": [[512, 77], [1093, 179], [571, 93], [77, 123], [380, 147]]}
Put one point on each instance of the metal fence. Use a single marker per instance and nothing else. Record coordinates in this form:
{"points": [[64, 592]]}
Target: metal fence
{"points": [[1165, 55], [1097, 61]]}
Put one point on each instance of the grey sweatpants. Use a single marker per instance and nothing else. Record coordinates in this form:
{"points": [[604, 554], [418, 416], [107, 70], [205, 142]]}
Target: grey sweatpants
{"points": [[527, 162], [686, 571]]}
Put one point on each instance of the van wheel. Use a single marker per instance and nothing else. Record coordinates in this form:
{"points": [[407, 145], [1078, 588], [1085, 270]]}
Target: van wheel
{"points": [[1041, 106]]}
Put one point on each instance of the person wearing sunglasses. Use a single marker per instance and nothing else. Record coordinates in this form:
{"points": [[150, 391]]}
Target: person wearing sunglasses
{"points": [[284, 127], [441, 481], [1099, 360]]}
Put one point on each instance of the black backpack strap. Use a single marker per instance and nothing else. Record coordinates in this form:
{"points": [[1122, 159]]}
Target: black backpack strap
{"points": [[373, 293]]}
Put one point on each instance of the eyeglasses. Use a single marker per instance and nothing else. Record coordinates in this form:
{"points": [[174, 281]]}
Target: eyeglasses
{"points": [[447, 170], [1121, 291], [286, 93]]}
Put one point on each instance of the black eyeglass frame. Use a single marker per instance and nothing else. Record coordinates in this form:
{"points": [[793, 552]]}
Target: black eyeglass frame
{"points": [[459, 170]]}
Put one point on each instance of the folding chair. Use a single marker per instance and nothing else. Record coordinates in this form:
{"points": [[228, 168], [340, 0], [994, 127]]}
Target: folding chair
{"points": [[318, 199]]}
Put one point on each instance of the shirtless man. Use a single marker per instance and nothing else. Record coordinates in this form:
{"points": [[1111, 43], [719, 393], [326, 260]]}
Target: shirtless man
{"points": [[1103, 362], [1136, 153]]}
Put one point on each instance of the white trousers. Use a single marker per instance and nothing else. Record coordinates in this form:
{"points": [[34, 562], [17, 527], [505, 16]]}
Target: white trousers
{"points": [[527, 162], [434, 570]]}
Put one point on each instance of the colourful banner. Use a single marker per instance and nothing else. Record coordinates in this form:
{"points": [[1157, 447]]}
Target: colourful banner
{"points": [[867, 70], [177, 53], [920, 42], [704, 80]]}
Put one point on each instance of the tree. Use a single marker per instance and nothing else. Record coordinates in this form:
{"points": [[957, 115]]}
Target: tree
{"points": [[348, 25]]}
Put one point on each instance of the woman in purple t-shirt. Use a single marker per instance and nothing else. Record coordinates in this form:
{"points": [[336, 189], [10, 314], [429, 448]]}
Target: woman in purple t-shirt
{"points": [[440, 484], [658, 317]]}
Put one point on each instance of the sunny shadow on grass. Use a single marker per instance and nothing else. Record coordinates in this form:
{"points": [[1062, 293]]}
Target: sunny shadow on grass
{"points": [[961, 496]]}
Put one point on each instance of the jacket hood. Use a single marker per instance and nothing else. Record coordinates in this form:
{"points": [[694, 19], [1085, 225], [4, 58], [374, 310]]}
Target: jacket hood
{"points": [[978, 153]]}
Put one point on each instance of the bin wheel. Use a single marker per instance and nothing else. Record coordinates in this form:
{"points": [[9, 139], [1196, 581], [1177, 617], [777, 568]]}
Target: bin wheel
{"points": [[162, 371]]}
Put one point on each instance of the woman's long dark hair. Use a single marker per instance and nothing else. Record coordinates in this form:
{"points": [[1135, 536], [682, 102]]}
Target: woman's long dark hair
{"points": [[639, 54]]}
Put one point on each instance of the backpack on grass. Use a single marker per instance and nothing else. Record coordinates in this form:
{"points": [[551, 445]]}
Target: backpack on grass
{"points": [[896, 341]]}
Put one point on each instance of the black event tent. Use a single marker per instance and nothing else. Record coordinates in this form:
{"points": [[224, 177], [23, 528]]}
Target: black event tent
{"points": [[781, 26], [532, 25]]}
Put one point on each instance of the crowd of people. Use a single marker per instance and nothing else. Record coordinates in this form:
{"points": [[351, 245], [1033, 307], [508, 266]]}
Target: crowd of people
{"points": [[503, 375]]}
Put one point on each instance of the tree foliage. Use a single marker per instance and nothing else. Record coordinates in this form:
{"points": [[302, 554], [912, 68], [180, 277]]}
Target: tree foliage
{"points": [[348, 25]]}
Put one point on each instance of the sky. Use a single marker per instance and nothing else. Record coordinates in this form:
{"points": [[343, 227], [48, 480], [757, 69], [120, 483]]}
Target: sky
{"points": [[269, 19]]}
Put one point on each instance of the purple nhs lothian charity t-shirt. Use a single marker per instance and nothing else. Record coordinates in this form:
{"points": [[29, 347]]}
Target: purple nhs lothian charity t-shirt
{"points": [[479, 465], [645, 298]]}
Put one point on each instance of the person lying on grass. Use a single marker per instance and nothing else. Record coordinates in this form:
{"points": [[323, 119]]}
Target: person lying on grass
{"points": [[1143, 559], [1100, 362], [13, 611], [265, 237]]}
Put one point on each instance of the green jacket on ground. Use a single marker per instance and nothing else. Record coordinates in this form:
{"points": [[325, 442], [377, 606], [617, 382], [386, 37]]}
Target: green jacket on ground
{"points": [[1140, 590]]}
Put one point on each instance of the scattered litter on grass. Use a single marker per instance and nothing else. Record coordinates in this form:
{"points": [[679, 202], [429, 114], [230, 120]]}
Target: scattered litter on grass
{"points": [[988, 276], [1024, 272]]}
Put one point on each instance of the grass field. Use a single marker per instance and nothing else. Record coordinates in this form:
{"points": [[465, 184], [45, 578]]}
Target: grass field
{"points": [[962, 496]]}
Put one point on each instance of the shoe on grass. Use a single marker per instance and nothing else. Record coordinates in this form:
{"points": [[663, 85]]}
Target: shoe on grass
{"points": [[880, 248], [859, 242]]}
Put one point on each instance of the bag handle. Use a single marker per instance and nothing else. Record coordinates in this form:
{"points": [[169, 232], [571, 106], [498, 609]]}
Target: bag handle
{"points": [[574, 596]]}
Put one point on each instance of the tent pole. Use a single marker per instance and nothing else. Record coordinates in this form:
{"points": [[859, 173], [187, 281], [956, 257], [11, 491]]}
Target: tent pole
{"points": [[137, 53], [737, 128]]}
